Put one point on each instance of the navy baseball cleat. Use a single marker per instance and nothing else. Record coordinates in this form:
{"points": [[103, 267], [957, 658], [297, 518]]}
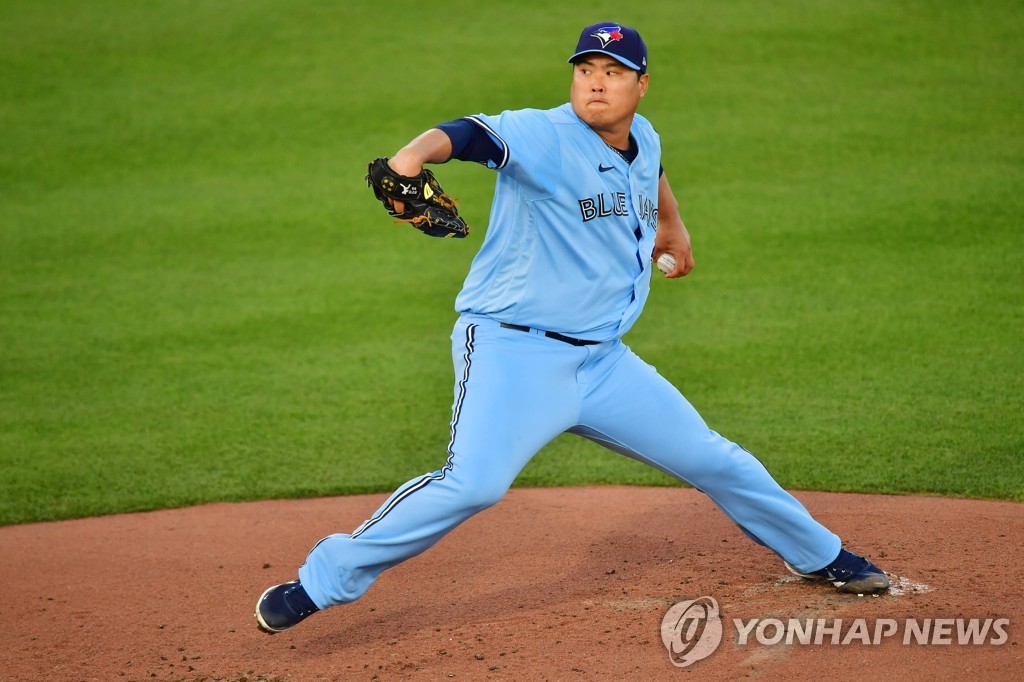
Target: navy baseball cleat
{"points": [[849, 573], [283, 606]]}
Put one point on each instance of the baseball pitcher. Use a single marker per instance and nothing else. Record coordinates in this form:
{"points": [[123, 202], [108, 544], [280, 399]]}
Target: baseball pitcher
{"points": [[582, 210]]}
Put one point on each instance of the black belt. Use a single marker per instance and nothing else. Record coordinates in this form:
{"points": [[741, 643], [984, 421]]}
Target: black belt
{"points": [[552, 335]]}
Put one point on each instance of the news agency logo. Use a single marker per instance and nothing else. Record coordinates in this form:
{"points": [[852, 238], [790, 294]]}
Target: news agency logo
{"points": [[926, 631], [691, 630]]}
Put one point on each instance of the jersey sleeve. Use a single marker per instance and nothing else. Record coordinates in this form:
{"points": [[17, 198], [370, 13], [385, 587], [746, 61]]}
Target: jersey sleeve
{"points": [[529, 146]]}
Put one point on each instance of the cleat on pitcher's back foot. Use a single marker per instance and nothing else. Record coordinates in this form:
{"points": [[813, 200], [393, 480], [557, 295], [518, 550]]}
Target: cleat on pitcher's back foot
{"points": [[850, 573]]}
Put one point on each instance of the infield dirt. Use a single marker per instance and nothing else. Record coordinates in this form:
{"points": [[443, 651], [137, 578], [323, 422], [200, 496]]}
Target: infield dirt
{"points": [[551, 584]]}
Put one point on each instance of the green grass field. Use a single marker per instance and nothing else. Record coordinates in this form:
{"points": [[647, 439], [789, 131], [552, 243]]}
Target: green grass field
{"points": [[200, 300]]}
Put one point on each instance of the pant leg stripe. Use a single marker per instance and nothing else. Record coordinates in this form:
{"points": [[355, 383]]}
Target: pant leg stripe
{"points": [[462, 387], [421, 483]]}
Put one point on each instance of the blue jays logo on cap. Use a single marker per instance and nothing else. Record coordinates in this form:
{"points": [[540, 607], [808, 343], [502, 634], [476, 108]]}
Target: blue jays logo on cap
{"points": [[620, 42], [608, 34]]}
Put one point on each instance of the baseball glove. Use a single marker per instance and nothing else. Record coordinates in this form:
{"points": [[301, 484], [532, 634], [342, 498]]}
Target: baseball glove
{"points": [[427, 207]]}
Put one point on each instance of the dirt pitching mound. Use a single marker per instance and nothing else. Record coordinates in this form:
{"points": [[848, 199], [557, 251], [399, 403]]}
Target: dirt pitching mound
{"points": [[550, 584]]}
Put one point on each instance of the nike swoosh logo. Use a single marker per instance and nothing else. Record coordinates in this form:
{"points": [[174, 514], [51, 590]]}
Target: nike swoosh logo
{"points": [[602, 169]]}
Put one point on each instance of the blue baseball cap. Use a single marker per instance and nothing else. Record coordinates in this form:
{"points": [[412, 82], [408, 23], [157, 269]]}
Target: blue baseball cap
{"points": [[622, 43]]}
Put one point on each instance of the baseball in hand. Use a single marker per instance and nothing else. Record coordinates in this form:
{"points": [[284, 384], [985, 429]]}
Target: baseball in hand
{"points": [[666, 263]]}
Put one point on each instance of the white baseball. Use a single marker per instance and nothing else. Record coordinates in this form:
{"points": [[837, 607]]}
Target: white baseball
{"points": [[666, 263]]}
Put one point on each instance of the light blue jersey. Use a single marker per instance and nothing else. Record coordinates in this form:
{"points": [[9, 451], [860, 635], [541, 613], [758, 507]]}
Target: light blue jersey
{"points": [[569, 244]]}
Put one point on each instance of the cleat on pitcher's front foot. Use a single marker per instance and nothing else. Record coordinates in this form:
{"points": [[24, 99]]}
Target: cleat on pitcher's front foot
{"points": [[283, 606]]}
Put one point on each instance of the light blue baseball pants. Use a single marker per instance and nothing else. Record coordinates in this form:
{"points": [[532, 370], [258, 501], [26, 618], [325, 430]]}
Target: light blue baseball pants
{"points": [[515, 391]]}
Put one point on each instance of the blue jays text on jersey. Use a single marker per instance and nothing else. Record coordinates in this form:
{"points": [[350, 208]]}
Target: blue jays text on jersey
{"points": [[615, 205], [648, 213]]}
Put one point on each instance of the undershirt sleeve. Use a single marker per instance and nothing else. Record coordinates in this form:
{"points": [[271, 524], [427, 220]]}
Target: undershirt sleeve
{"points": [[470, 142]]}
